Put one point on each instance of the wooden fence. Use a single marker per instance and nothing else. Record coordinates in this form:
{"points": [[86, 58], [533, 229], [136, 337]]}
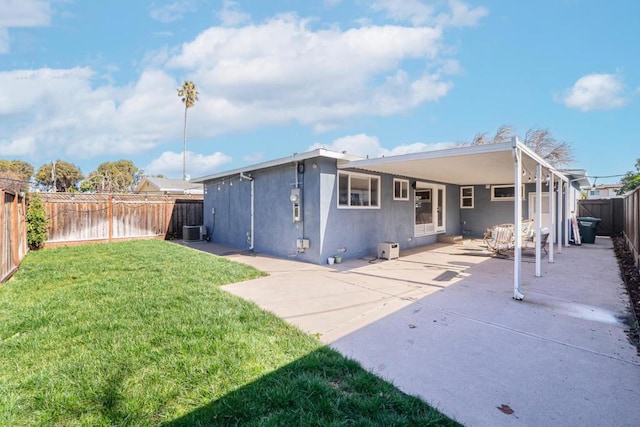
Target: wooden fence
{"points": [[83, 218], [13, 233], [610, 212], [632, 223]]}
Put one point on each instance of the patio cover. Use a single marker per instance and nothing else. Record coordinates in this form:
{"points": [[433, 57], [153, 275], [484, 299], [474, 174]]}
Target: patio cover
{"points": [[468, 165], [503, 163]]}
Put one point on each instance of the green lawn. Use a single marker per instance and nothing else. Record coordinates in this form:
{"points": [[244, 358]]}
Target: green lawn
{"points": [[139, 333]]}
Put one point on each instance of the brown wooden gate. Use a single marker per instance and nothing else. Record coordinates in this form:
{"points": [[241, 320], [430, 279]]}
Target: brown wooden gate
{"points": [[610, 211]]}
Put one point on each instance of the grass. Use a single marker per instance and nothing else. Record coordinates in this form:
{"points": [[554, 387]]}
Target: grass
{"points": [[140, 333]]}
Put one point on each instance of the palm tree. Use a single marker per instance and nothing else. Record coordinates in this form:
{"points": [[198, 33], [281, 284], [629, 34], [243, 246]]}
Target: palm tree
{"points": [[189, 94], [541, 141]]}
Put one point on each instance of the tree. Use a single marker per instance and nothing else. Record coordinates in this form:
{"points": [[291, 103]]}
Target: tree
{"points": [[67, 176], [36, 222], [631, 180], [540, 141], [15, 175], [111, 177], [189, 94]]}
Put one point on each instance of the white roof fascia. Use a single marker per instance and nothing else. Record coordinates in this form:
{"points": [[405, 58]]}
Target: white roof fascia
{"points": [[296, 157]]}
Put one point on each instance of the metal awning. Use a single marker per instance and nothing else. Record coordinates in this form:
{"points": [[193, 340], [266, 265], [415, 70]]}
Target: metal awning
{"points": [[504, 163], [469, 165]]}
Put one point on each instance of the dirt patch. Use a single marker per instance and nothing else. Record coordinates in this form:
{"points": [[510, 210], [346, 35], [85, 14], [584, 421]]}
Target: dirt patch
{"points": [[631, 277]]}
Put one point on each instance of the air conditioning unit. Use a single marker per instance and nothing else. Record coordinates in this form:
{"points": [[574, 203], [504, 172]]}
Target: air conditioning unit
{"points": [[388, 250]]}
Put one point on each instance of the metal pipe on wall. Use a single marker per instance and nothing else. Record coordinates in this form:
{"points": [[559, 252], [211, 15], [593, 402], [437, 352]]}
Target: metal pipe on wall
{"points": [[252, 227]]}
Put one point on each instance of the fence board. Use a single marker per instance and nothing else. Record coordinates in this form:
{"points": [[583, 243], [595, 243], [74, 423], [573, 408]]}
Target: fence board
{"points": [[632, 223], [13, 233], [78, 218]]}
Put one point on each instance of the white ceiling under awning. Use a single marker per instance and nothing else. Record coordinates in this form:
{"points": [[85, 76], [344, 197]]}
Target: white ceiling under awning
{"points": [[470, 165]]}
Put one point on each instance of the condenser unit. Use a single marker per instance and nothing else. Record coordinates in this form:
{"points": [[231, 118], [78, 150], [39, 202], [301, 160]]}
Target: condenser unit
{"points": [[388, 250]]}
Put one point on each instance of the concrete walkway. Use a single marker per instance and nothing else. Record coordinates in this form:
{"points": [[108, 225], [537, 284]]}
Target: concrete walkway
{"points": [[440, 323]]}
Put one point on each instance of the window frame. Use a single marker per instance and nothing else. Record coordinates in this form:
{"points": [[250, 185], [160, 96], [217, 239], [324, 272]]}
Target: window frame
{"points": [[403, 183], [349, 175], [505, 199], [463, 197]]}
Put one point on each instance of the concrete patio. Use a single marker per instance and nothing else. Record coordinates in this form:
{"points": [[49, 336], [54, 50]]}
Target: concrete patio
{"points": [[440, 323]]}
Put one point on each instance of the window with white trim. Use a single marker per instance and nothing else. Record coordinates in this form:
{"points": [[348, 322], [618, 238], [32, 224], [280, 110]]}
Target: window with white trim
{"points": [[356, 190], [505, 192], [400, 189], [466, 197]]}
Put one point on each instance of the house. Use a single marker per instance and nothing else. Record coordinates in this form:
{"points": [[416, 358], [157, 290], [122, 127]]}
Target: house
{"points": [[316, 204], [603, 191], [165, 186]]}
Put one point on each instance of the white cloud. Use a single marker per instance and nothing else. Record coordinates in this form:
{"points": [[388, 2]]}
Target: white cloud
{"points": [[170, 12], [282, 71], [21, 14], [24, 13], [596, 92], [64, 114], [273, 73], [230, 14], [17, 147], [421, 13], [369, 146], [169, 164], [414, 11], [462, 15]]}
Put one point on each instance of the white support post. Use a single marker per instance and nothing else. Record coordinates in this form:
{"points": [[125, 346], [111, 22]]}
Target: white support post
{"points": [[567, 211], [538, 218], [552, 215], [560, 217], [517, 213]]}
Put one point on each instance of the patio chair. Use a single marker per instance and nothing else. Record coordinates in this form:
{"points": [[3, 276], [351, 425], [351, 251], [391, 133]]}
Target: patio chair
{"points": [[501, 238], [530, 242]]}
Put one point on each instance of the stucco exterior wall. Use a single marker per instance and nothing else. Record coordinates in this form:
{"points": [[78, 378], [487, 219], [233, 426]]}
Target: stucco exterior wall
{"points": [[358, 231], [355, 232]]}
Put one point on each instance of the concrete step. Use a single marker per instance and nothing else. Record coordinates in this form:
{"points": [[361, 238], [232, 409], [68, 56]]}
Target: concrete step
{"points": [[444, 238]]}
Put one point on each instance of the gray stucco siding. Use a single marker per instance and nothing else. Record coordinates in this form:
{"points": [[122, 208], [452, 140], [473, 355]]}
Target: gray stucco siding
{"points": [[327, 227]]}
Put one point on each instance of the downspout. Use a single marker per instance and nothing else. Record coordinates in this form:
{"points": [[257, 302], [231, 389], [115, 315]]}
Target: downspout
{"points": [[250, 179], [301, 196]]}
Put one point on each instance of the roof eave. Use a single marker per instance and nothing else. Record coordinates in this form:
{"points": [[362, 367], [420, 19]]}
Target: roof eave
{"points": [[295, 157]]}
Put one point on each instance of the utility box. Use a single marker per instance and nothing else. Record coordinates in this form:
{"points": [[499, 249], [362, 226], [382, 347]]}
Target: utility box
{"points": [[388, 250], [302, 244]]}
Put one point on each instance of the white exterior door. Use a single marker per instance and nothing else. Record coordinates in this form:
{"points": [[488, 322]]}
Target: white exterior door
{"points": [[546, 215], [430, 208]]}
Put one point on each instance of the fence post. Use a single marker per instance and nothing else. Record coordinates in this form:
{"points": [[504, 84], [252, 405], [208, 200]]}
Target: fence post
{"points": [[167, 215], [110, 215], [16, 232]]}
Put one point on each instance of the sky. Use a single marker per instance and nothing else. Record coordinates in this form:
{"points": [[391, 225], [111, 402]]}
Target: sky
{"points": [[94, 81]]}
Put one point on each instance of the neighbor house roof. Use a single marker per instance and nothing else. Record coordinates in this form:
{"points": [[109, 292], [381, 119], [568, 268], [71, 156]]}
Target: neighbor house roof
{"points": [[295, 157], [152, 184]]}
